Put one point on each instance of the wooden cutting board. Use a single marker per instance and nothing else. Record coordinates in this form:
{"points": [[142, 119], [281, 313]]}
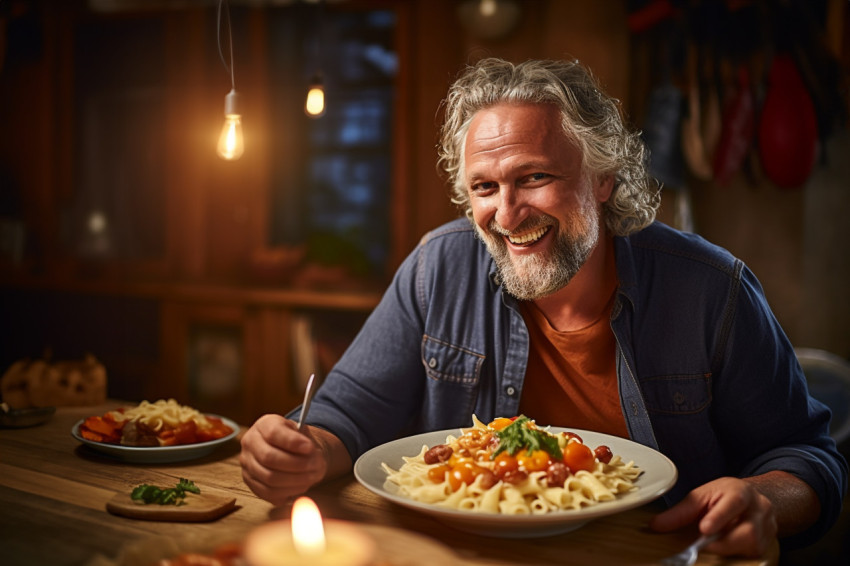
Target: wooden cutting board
{"points": [[196, 508]]}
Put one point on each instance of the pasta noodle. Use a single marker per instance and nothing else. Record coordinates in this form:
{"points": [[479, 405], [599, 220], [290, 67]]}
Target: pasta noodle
{"points": [[511, 466], [161, 414]]}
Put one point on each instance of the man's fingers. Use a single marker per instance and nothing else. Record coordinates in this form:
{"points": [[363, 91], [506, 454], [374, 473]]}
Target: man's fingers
{"points": [[281, 433], [748, 537], [725, 510], [683, 513]]}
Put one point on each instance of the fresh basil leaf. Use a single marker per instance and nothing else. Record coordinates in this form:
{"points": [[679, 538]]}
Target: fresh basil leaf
{"points": [[519, 435], [171, 496]]}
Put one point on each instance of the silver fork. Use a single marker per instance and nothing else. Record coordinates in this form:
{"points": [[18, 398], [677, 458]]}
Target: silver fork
{"points": [[308, 397], [689, 556]]}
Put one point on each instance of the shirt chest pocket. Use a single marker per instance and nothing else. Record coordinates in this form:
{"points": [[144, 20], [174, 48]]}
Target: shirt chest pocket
{"points": [[449, 363], [677, 394]]}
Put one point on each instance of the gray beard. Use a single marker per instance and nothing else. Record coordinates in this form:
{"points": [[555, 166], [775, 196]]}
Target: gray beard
{"points": [[535, 276]]}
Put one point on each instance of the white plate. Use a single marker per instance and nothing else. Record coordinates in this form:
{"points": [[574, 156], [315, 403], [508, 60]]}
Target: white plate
{"points": [[659, 475], [157, 454]]}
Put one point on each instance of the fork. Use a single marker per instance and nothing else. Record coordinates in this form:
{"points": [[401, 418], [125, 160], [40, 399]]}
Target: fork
{"points": [[308, 397], [689, 556]]}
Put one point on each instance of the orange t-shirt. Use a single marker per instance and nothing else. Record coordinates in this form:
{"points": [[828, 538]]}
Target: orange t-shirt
{"points": [[571, 378]]}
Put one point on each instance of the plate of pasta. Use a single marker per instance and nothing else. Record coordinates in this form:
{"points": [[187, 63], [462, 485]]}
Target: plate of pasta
{"points": [[153, 433], [512, 478]]}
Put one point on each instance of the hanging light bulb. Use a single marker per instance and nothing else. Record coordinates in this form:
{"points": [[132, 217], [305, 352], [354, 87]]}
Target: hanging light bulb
{"points": [[487, 8], [315, 105], [231, 145]]}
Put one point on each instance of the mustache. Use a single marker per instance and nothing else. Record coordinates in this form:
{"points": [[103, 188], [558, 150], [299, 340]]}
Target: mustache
{"points": [[526, 225]]}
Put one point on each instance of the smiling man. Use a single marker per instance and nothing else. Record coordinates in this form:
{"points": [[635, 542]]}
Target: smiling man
{"points": [[560, 297], [535, 207]]}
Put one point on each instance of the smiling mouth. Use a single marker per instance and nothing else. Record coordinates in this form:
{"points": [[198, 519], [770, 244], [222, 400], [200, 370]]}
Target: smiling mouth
{"points": [[528, 238]]}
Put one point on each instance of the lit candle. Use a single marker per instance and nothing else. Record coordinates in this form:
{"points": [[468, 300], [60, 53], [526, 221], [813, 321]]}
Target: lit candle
{"points": [[306, 540]]}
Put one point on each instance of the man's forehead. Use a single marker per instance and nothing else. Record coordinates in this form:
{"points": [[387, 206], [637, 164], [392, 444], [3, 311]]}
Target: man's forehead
{"points": [[500, 115], [527, 122]]}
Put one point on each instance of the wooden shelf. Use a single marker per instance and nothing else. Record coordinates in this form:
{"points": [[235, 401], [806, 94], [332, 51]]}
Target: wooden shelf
{"points": [[243, 295]]}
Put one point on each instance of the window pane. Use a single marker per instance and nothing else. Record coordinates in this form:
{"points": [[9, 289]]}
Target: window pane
{"points": [[332, 175], [118, 208]]}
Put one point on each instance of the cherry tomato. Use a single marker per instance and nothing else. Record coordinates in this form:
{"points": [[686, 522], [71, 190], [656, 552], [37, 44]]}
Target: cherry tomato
{"points": [[577, 457], [500, 423], [603, 454], [437, 474], [504, 463], [463, 473], [536, 461], [458, 458]]}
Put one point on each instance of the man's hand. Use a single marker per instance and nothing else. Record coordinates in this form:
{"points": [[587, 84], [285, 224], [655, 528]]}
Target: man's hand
{"points": [[749, 513], [279, 462], [730, 506]]}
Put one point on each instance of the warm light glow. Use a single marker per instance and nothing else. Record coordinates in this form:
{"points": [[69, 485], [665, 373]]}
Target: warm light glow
{"points": [[97, 222], [230, 143], [315, 105], [308, 533], [487, 8]]}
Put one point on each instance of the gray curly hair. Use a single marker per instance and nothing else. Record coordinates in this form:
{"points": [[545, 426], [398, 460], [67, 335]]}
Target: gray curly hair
{"points": [[590, 119]]}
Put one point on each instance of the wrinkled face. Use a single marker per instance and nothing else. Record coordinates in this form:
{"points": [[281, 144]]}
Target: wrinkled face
{"points": [[536, 211]]}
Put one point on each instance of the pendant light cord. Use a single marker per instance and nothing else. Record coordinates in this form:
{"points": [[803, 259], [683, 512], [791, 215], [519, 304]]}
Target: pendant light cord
{"points": [[227, 67]]}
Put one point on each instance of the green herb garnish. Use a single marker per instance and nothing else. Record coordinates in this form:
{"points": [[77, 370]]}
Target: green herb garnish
{"points": [[169, 496], [518, 435]]}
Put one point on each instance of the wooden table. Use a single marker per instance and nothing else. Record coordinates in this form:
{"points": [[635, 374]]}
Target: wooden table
{"points": [[53, 493]]}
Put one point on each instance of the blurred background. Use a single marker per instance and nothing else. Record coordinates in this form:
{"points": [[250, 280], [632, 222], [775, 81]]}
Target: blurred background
{"points": [[225, 283]]}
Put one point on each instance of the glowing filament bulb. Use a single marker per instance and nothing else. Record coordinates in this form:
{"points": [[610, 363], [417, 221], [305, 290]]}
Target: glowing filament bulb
{"points": [[315, 105], [231, 144], [308, 532], [487, 8]]}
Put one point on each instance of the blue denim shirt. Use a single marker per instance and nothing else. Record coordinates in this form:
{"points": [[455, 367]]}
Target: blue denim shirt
{"points": [[706, 375]]}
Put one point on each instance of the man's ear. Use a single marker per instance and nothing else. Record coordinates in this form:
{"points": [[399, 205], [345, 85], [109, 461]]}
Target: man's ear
{"points": [[604, 188]]}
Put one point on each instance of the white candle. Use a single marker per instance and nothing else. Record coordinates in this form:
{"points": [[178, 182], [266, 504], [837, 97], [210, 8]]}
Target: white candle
{"points": [[306, 540]]}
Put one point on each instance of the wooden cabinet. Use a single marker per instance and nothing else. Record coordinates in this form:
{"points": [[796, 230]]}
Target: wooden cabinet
{"points": [[241, 352], [244, 356]]}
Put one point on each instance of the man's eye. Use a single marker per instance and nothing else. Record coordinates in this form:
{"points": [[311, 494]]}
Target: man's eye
{"points": [[485, 186], [538, 176]]}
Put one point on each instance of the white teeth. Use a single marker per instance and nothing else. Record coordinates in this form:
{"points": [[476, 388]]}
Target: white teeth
{"points": [[529, 237]]}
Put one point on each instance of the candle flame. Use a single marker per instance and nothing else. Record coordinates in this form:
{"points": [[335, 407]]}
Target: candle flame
{"points": [[308, 532]]}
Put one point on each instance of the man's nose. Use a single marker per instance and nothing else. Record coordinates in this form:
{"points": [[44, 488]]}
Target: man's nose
{"points": [[510, 209]]}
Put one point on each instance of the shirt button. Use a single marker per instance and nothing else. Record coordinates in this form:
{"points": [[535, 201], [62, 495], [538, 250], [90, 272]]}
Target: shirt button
{"points": [[510, 390], [678, 397], [432, 363]]}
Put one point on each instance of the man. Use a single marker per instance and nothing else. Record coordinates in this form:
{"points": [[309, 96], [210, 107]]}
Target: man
{"points": [[560, 298]]}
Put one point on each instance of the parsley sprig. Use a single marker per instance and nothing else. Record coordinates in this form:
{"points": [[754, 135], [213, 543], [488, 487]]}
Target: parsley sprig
{"points": [[521, 434], [168, 496]]}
